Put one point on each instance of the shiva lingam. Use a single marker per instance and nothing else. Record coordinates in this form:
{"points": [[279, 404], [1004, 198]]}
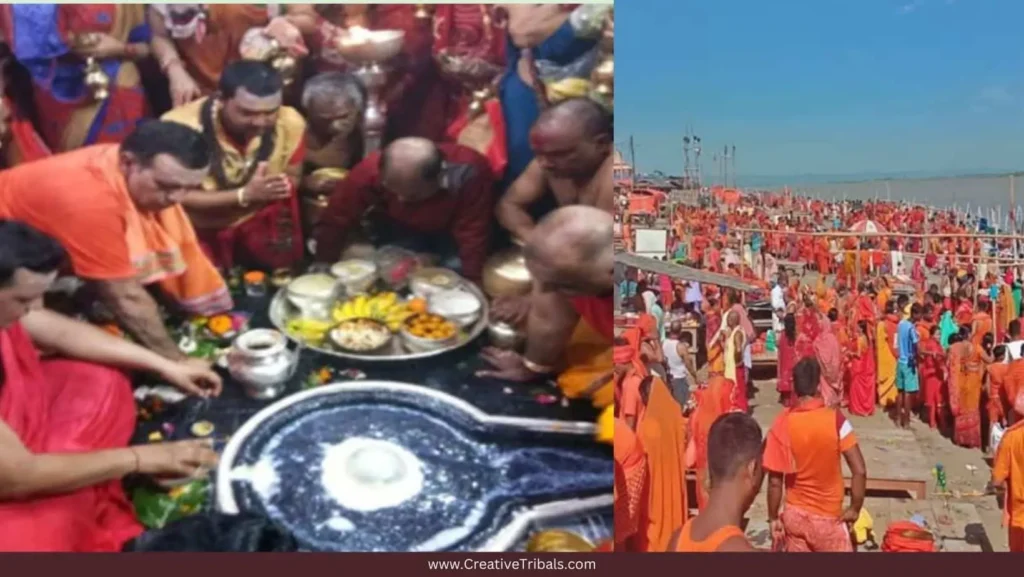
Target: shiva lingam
{"points": [[96, 80], [603, 77], [258, 45], [370, 50]]}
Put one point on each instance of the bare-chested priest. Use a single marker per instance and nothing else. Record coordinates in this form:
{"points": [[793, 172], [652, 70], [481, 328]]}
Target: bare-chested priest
{"points": [[572, 143]]}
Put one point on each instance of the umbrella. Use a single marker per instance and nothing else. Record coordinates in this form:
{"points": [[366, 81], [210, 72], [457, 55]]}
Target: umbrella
{"points": [[867, 226]]}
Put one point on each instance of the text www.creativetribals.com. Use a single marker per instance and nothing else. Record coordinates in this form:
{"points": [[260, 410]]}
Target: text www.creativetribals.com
{"points": [[524, 564]]}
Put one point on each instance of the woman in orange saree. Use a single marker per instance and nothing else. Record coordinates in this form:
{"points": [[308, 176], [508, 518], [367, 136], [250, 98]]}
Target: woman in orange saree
{"points": [[47, 39], [965, 399]]}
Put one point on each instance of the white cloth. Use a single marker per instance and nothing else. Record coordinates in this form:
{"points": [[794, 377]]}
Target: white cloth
{"points": [[778, 304], [1013, 350], [676, 366]]}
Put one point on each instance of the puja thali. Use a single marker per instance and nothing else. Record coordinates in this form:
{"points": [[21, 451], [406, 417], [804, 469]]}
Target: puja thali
{"points": [[383, 466], [391, 324]]}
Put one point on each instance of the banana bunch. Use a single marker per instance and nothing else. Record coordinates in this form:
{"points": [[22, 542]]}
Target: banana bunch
{"points": [[385, 307], [309, 331]]}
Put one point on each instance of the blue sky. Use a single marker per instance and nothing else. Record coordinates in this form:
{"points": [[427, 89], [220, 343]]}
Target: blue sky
{"points": [[824, 87]]}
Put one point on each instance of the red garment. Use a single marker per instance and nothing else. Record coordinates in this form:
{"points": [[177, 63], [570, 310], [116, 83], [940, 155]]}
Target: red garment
{"points": [[65, 406], [416, 95], [27, 144], [464, 210], [787, 360], [830, 357], [740, 390], [497, 148], [475, 31], [862, 378], [907, 537], [257, 242], [932, 372], [598, 312], [124, 106]]}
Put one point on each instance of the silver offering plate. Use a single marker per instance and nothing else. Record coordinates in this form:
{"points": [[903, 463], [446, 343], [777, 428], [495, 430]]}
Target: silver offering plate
{"points": [[282, 310]]}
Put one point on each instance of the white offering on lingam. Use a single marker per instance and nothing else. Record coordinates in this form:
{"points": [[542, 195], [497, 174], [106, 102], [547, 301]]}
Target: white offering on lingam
{"points": [[262, 476], [363, 474]]}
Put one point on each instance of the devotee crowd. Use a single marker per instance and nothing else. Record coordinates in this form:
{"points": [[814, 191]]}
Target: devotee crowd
{"points": [[924, 325], [148, 150]]}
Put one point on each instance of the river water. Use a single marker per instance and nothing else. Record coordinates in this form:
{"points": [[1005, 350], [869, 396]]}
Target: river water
{"points": [[987, 192]]}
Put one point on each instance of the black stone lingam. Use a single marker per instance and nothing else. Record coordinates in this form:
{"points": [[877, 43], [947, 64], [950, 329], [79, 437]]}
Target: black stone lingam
{"points": [[379, 466]]}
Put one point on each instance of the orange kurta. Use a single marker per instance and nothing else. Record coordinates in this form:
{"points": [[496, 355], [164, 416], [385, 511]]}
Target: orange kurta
{"points": [[662, 430], [81, 199]]}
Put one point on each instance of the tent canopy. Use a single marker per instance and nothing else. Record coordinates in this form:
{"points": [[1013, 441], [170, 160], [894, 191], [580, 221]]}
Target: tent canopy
{"points": [[682, 272]]}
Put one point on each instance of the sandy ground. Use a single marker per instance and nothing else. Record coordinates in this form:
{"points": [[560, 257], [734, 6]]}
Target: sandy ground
{"points": [[958, 463]]}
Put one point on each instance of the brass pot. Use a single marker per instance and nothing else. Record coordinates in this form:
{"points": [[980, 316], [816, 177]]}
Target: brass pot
{"points": [[505, 274], [558, 541]]}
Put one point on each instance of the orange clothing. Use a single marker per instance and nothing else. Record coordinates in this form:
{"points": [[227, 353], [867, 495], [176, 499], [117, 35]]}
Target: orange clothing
{"points": [[662, 430], [883, 297], [631, 487], [713, 401], [997, 404], [1009, 468], [1013, 383], [805, 444], [81, 199], [631, 405], [710, 544], [225, 25], [984, 321]]}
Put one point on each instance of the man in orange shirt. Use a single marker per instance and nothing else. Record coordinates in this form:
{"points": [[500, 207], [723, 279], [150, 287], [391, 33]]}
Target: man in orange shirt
{"points": [[734, 458], [1008, 469], [802, 453], [115, 209]]}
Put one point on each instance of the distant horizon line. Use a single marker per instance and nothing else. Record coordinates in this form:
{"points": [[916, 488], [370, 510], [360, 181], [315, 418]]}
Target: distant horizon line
{"points": [[858, 178]]}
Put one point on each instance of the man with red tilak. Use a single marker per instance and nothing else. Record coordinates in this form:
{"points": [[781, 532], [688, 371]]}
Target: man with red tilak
{"points": [[572, 143]]}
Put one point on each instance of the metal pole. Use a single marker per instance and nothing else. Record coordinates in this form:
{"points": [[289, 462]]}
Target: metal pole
{"points": [[632, 160]]}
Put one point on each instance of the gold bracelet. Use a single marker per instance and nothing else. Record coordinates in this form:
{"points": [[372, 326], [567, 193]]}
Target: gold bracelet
{"points": [[536, 368], [241, 197]]}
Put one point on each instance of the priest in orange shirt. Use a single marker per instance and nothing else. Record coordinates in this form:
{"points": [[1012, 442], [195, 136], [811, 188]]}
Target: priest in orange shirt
{"points": [[803, 453]]}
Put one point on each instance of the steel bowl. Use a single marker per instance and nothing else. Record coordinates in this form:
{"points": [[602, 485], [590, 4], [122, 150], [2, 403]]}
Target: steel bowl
{"points": [[362, 46], [420, 344], [505, 336], [337, 343]]}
